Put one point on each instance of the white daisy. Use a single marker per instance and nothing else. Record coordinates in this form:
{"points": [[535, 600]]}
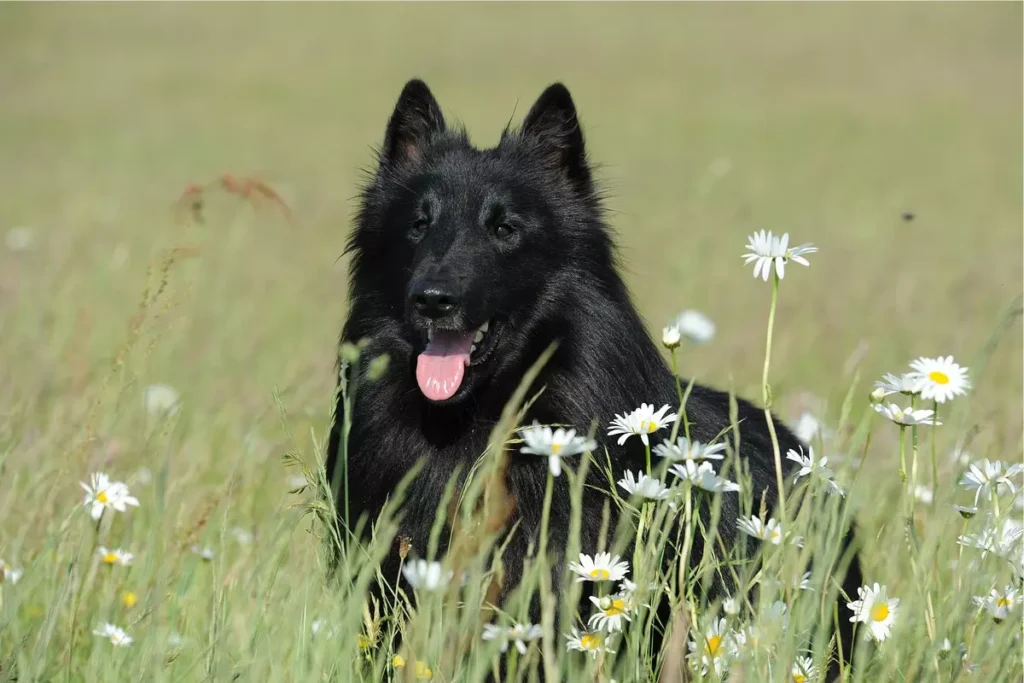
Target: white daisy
{"points": [[643, 486], [114, 556], [21, 238], [602, 567], [804, 582], [612, 610], [907, 384], [684, 449], [767, 250], [588, 641], [966, 511], [981, 477], [319, 626], [243, 536], [742, 640], [161, 400], [999, 605], [923, 494], [731, 606], [770, 531], [428, 576], [940, 379], [641, 422], [695, 326], [811, 467], [803, 670], [876, 609], [204, 552], [519, 634], [960, 456], [712, 650], [807, 427], [670, 337], [554, 445], [9, 574], [1002, 540], [906, 417], [703, 476], [115, 635], [776, 615], [101, 494]]}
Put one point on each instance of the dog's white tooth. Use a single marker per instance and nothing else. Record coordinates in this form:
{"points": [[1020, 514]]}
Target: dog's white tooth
{"points": [[472, 349], [430, 334], [483, 328], [479, 337]]}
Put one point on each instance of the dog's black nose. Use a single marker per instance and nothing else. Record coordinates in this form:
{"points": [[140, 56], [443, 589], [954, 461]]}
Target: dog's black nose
{"points": [[434, 302]]}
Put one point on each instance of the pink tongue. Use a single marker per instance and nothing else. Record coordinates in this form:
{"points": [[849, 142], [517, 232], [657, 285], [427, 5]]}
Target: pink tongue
{"points": [[440, 367]]}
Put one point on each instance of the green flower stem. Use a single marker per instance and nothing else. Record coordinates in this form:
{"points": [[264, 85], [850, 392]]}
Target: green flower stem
{"points": [[903, 454], [647, 447], [645, 511], [548, 603], [684, 558], [766, 397], [912, 487], [935, 460], [679, 393]]}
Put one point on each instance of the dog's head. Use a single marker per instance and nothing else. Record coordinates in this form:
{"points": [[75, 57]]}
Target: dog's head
{"points": [[458, 250]]}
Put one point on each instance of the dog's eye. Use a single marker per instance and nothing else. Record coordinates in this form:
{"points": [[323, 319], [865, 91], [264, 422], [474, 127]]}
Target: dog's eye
{"points": [[504, 231], [417, 229]]}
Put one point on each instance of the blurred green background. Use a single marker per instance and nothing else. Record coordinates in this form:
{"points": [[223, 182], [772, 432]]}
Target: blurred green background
{"points": [[707, 121]]}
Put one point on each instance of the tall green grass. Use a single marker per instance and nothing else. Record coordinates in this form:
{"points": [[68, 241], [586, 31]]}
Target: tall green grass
{"points": [[281, 605]]}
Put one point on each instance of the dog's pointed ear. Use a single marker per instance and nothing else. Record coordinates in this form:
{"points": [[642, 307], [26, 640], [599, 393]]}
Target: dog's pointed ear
{"points": [[553, 122], [416, 118]]}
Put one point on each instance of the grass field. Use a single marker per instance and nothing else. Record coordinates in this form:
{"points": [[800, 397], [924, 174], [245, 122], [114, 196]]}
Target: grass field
{"points": [[834, 122]]}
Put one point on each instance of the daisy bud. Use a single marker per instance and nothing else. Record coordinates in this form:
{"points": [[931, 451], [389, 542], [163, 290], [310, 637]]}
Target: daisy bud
{"points": [[670, 337], [877, 395], [349, 352], [378, 366]]}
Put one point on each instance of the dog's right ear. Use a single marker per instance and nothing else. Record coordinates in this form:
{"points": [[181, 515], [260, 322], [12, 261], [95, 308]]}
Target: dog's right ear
{"points": [[416, 118]]}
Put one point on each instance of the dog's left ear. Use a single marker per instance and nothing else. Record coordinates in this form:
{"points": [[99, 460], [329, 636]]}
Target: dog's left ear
{"points": [[553, 122]]}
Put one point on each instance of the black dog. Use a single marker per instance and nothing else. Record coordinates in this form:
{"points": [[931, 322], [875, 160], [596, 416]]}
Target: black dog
{"points": [[466, 265]]}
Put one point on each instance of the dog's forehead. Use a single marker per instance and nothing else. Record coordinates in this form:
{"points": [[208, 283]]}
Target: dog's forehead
{"points": [[473, 173]]}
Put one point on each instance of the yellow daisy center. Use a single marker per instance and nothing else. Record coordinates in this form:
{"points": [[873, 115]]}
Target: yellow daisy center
{"points": [[101, 497], [938, 377], [714, 646], [617, 607], [774, 535], [1003, 602], [799, 678], [590, 642], [110, 558], [880, 611], [398, 661], [649, 426], [600, 574], [129, 599], [116, 638], [555, 447]]}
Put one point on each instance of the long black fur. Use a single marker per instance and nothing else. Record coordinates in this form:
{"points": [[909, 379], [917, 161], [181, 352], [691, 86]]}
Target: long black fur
{"points": [[430, 214]]}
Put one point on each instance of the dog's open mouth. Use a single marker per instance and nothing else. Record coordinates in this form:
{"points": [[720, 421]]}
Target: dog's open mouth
{"points": [[442, 364]]}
